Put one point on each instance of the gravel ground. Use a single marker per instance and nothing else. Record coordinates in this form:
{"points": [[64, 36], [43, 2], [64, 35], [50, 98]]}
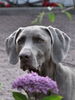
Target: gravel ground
{"points": [[10, 22]]}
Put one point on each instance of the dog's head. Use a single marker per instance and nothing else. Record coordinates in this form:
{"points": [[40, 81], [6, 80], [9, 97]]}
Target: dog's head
{"points": [[35, 45]]}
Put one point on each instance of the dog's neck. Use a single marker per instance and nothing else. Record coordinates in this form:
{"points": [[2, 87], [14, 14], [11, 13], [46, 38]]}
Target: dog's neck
{"points": [[49, 69]]}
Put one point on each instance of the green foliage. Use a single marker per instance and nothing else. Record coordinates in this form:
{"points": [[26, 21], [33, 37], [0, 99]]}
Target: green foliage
{"points": [[61, 6], [19, 96], [52, 97], [39, 18], [69, 15], [51, 17]]}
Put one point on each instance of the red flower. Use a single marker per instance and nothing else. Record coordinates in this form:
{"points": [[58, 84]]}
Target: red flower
{"points": [[46, 4]]}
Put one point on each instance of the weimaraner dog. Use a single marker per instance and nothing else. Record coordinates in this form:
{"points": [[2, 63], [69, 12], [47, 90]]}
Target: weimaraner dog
{"points": [[41, 49]]}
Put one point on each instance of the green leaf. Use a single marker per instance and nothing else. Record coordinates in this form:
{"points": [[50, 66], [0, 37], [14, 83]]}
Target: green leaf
{"points": [[39, 18], [19, 96], [61, 6], [69, 15], [35, 21], [51, 16], [41, 15], [52, 97]]}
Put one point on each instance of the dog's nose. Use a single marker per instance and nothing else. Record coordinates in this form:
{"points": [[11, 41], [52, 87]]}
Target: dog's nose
{"points": [[25, 56]]}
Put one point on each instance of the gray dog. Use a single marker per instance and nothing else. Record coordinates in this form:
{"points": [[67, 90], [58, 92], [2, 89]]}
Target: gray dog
{"points": [[41, 49]]}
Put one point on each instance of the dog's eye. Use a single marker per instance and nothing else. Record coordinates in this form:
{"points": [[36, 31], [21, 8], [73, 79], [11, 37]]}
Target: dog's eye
{"points": [[37, 40], [21, 40]]}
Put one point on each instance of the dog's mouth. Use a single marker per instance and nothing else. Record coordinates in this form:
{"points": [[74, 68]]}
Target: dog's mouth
{"points": [[29, 67], [34, 70]]}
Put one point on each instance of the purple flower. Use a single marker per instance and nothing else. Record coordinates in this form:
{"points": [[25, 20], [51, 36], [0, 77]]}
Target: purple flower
{"points": [[33, 83]]}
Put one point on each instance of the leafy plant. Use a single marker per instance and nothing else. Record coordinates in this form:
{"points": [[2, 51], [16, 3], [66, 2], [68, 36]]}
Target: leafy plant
{"points": [[51, 17], [19, 96], [39, 18], [69, 15], [52, 97], [51, 14]]}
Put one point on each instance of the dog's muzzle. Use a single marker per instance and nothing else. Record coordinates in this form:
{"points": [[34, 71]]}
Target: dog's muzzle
{"points": [[26, 62]]}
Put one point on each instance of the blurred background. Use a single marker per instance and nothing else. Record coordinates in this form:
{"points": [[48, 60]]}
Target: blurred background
{"points": [[11, 3]]}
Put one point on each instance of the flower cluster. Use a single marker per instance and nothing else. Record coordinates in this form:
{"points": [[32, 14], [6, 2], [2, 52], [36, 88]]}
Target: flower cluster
{"points": [[33, 83], [48, 4]]}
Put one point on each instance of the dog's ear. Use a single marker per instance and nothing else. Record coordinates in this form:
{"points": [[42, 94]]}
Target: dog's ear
{"points": [[11, 46], [61, 44]]}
